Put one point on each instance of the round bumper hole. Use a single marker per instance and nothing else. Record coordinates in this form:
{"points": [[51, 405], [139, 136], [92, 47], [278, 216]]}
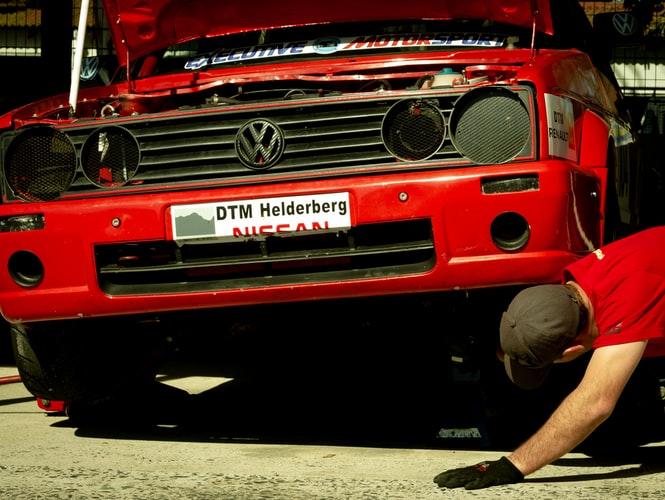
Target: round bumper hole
{"points": [[26, 269], [510, 231]]}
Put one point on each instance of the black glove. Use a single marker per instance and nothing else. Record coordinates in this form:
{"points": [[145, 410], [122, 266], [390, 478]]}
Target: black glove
{"points": [[481, 475]]}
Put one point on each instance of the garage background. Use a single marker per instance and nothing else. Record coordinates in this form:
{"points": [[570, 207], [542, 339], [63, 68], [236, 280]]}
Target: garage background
{"points": [[37, 39]]}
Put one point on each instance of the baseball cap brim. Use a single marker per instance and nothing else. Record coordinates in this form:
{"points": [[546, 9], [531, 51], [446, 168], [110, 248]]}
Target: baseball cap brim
{"points": [[525, 377]]}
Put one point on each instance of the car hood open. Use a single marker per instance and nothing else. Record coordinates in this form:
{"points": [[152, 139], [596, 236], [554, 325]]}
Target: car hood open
{"points": [[143, 26]]}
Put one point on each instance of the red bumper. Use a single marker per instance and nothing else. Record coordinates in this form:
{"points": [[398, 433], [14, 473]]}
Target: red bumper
{"points": [[563, 216]]}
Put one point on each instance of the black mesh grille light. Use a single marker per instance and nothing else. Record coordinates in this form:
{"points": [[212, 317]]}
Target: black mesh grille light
{"points": [[110, 157], [40, 164], [413, 130], [490, 125]]}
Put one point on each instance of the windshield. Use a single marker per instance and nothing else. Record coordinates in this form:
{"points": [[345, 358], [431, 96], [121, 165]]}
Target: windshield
{"points": [[335, 40]]}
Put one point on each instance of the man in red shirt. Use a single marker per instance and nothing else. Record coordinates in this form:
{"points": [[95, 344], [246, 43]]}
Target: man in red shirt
{"points": [[611, 301]]}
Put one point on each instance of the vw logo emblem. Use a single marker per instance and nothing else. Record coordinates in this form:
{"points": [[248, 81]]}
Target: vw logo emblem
{"points": [[625, 23], [259, 144]]}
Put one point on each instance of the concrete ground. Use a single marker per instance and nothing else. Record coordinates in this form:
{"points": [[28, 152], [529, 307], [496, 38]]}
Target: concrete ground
{"points": [[45, 456]]}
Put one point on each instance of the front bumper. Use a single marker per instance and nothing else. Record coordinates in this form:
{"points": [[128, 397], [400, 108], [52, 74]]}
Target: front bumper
{"points": [[563, 216]]}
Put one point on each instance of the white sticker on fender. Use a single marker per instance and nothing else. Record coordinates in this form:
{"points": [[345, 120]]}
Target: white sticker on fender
{"points": [[259, 218], [560, 127]]}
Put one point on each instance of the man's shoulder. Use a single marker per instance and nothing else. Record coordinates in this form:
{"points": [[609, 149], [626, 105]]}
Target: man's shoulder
{"points": [[621, 259]]}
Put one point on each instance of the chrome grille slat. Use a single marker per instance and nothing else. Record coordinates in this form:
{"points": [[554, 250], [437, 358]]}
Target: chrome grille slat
{"points": [[197, 142], [305, 133], [330, 145]]}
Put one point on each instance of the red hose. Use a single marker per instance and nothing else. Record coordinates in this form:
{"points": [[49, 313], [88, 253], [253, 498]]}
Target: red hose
{"points": [[12, 379]]}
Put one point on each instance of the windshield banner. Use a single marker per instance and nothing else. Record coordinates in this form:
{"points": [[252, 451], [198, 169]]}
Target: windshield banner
{"points": [[331, 45]]}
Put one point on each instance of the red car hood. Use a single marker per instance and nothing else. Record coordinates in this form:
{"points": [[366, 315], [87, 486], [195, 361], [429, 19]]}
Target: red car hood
{"points": [[143, 26]]}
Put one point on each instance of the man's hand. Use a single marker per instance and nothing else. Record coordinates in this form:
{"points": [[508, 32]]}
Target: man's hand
{"points": [[481, 475]]}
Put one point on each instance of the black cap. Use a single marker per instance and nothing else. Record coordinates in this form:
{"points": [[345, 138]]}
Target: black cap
{"points": [[539, 324]]}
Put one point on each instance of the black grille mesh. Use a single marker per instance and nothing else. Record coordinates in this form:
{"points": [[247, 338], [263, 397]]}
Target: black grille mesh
{"points": [[110, 157], [490, 126], [40, 164]]}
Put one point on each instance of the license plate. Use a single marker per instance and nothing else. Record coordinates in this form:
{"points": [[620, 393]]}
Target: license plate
{"points": [[259, 218]]}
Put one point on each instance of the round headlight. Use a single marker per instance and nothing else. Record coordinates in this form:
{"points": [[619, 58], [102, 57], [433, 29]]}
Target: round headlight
{"points": [[40, 164], [490, 125], [413, 129], [110, 157]]}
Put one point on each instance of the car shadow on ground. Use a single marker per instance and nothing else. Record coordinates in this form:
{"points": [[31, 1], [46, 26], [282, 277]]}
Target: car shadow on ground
{"points": [[394, 373], [294, 413], [649, 460], [370, 372]]}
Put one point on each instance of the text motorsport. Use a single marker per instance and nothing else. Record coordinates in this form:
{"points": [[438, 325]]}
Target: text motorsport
{"points": [[331, 44]]}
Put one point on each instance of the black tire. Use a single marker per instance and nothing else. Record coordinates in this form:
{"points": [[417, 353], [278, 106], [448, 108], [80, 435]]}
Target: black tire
{"points": [[83, 360]]}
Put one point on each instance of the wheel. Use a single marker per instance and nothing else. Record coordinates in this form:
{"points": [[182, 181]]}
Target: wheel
{"points": [[83, 359]]}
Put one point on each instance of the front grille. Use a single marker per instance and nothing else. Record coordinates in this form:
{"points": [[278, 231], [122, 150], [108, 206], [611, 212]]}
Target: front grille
{"points": [[202, 146], [328, 134], [306, 137], [365, 251]]}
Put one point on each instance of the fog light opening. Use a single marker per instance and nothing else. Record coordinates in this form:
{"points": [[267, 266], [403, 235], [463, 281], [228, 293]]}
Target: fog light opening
{"points": [[510, 231], [26, 269]]}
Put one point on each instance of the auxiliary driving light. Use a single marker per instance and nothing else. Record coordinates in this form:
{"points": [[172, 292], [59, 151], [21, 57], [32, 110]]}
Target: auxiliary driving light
{"points": [[490, 125], [110, 157], [40, 163], [413, 129]]}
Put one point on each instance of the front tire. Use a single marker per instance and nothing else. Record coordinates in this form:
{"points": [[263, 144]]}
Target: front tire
{"points": [[83, 359]]}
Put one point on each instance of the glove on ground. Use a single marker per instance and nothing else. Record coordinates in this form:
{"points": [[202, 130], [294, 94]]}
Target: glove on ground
{"points": [[482, 475]]}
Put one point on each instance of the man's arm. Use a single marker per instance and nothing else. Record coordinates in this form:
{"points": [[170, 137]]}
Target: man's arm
{"points": [[584, 409]]}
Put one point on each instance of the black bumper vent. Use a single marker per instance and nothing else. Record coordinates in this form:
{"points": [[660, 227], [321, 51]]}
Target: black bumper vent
{"points": [[365, 251]]}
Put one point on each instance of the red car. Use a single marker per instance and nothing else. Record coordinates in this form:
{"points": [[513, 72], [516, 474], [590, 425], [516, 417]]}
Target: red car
{"points": [[302, 151]]}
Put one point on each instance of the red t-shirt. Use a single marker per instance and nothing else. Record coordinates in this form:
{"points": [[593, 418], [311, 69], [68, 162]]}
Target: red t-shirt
{"points": [[625, 282]]}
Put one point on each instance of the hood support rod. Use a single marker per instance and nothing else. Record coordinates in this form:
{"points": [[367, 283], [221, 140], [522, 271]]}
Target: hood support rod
{"points": [[78, 56]]}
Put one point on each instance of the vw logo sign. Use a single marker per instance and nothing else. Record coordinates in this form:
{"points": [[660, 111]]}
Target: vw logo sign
{"points": [[624, 23], [259, 144]]}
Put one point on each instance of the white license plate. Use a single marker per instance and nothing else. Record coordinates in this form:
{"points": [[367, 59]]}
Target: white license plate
{"points": [[259, 218]]}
